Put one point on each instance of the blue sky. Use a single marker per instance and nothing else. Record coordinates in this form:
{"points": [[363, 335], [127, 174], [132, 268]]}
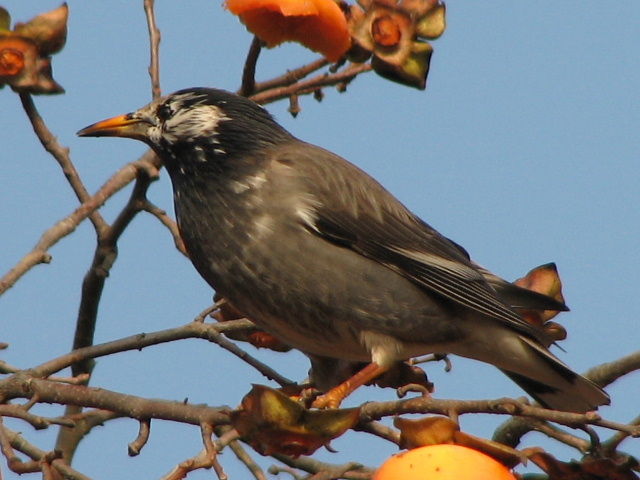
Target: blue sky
{"points": [[524, 149]]}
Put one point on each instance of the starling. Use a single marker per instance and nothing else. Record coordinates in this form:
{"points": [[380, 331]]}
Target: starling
{"points": [[323, 257]]}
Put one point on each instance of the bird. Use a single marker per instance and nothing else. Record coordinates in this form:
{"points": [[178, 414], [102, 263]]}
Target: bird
{"points": [[322, 256]]}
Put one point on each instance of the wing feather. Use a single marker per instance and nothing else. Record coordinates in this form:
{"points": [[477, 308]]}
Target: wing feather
{"points": [[354, 211]]}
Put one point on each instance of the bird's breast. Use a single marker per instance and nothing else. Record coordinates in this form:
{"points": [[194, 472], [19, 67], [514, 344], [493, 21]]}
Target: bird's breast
{"points": [[251, 245]]}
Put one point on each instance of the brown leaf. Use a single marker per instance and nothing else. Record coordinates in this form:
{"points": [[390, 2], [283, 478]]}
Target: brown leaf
{"points": [[433, 23], [273, 423], [410, 69], [25, 64], [5, 19], [506, 455], [48, 30], [435, 430], [425, 431], [590, 468], [544, 279]]}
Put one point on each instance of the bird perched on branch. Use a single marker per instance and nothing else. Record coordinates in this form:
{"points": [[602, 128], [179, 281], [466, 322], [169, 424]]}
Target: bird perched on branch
{"points": [[323, 257]]}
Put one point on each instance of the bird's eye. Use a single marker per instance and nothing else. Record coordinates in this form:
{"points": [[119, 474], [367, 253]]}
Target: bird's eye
{"points": [[163, 112]]}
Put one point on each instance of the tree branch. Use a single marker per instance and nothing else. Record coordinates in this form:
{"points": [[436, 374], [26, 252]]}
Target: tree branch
{"points": [[39, 254], [504, 406], [511, 432], [41, 460], [311, 85], [154, 48], [292, 76], [249, 71], [61, 154], [607, 373], [131, 406]]}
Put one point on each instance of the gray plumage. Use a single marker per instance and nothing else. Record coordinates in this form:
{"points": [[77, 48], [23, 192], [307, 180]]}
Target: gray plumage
{"points": [[322, 256]]}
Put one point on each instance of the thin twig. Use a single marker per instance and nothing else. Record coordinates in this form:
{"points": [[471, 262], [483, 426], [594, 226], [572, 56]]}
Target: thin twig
{"points": [[311, 465], [380, 430], [168, 222], [505, 406], [104, 257], [137, 342], [336, 472], [180, 471], [206, 430], [267, 371], [292, 76], [249, 70], [616, 439], [61, 154], [304, 87], [562, 436], [39, 253], [10, 440], [22, 386], [244, 457], [36, 421], [93, 285], [609, 372], [7, 368], [141, 440], [154, 44], [202, 316], [511, 431]]}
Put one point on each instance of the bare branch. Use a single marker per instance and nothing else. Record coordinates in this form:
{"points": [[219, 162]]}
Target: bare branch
{"points": [[206, 431], [380, 430], [562, 436], [209, 310], [267, 371], [607, 373], [7, 368], [249, 71], [504, 406], [23, 386], [61, 154], [64, 227], [211, 332], [154, 44], [311, 465], [292, 76], [41, 460], [36, 421], [612, 443], [93, 284], [311, 85], [242, 455], [336, 472], [141, 440], [180, 471], [167, 222], [511, 432]]}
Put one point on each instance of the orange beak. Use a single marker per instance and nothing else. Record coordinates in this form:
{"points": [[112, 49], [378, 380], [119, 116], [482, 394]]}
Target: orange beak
{"points": [[121, 126]]}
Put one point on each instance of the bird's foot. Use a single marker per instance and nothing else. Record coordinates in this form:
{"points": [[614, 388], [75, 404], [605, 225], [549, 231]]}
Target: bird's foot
{"points": [[423, 390], [332, 399]]}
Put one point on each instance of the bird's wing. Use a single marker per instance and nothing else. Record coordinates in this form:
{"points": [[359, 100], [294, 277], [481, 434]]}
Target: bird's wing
{"points": [[354, 211]]}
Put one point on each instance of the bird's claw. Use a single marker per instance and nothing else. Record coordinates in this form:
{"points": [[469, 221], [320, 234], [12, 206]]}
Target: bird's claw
{"points": [[328, 400]]}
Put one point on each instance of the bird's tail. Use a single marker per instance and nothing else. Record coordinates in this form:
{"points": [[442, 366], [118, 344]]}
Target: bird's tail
{"points": [[553, 384]]}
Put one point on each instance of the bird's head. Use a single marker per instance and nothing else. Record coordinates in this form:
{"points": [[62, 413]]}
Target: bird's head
{"points": [[209, 123]]}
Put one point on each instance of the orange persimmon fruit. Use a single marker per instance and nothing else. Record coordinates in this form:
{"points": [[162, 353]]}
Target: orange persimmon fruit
{"points": [[317, 24], [442, 462]]}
